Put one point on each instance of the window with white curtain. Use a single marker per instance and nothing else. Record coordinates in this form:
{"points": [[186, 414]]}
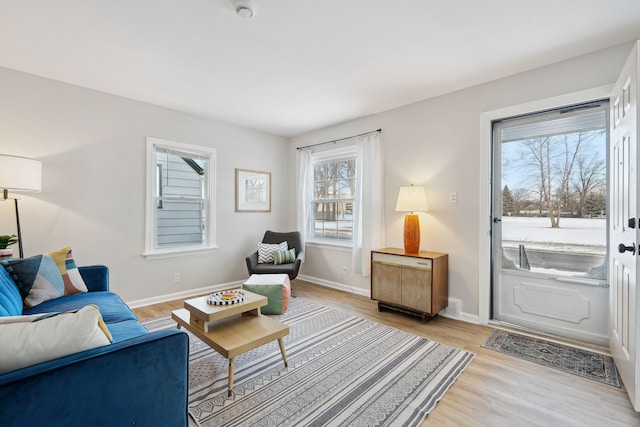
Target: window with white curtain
{"points": [[340, 197], [334, 195], [180, 202]]}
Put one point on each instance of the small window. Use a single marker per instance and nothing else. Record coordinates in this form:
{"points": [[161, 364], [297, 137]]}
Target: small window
{"points": [[334, 195], [180, 198]]}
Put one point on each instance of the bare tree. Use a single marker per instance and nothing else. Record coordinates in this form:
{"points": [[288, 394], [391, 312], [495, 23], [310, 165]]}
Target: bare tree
{"points": [[332, 180], [590, 177], [553, 158], [521, 201]]}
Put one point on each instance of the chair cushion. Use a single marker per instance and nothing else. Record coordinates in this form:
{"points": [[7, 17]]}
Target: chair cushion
{"points": [[273, 269], [111, 306], [126, 329]]}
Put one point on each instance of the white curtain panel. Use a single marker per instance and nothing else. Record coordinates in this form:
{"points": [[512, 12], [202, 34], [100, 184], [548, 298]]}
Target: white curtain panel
{"points": [[305, 190], [368, 215]]}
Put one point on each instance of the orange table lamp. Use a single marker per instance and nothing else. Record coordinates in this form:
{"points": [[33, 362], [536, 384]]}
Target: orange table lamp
{"points": [[411, 199]]}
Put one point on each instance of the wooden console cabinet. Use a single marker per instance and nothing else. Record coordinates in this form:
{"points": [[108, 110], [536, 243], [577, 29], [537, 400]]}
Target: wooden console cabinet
{"points": [[411, 283]]}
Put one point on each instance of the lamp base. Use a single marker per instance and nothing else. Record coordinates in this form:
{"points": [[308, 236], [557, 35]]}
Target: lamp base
{"points": [[411, 234]]}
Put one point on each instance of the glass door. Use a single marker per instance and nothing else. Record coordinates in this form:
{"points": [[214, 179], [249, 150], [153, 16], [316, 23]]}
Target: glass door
{"points": [[549, 233]]}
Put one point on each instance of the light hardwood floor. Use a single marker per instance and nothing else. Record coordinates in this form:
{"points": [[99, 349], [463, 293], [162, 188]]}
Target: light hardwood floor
{"points": [[495, 390]]}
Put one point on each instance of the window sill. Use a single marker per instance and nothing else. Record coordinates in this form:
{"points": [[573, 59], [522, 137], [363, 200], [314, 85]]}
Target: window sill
{"points": [[343, 247], [177, 252]]}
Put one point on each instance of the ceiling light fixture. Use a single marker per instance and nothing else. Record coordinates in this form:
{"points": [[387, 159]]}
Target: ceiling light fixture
{"points": [[244, 8]]}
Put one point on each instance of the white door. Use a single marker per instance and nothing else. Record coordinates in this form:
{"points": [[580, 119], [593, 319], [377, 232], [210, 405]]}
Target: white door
{"points": [[624, 341]]}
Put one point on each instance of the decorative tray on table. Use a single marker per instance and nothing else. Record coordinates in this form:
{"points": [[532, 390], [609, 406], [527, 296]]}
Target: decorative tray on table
{"points": [[226, 297]]}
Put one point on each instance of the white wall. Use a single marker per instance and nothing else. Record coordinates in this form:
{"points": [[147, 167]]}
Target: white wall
{"points": [[92, 146], [436, 143]]}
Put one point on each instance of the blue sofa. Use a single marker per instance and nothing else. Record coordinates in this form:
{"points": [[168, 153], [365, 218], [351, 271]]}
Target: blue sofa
{"points": [[141, 379]]}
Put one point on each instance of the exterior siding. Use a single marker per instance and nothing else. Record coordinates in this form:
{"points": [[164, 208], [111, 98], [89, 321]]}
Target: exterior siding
{"points": [[179, 221]]}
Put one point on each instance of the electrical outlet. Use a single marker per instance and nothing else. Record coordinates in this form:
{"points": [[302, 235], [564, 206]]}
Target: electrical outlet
{"points": [[344, 271], [176, 277]]}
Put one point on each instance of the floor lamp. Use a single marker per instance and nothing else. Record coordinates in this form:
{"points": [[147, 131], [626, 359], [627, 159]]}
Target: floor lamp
{"points": [[19, 174], [411, 199]]}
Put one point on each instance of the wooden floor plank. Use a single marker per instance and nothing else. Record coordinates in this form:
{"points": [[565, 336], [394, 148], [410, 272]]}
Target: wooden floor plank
{"points": [[496, 389]]}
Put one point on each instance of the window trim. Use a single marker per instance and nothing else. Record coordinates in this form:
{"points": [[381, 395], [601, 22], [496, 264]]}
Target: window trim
{"points": [[328, 155], [209, 245]]}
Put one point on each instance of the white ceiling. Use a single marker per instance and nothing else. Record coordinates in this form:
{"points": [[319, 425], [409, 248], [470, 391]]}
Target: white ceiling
{"points": [[299, 65]]}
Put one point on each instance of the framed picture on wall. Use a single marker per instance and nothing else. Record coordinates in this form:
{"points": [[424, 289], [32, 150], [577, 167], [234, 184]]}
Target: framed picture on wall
{"points": [[253, 191]]}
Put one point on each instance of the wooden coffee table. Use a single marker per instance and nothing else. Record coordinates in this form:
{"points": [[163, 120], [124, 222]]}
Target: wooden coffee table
{"points": [[232, 329]]}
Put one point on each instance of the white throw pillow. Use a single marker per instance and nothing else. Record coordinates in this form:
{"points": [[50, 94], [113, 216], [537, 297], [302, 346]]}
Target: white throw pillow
{"points": [[28, 343]]}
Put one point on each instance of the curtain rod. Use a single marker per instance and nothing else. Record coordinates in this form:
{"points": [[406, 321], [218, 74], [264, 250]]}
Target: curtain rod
{"points": [[340, 139]]}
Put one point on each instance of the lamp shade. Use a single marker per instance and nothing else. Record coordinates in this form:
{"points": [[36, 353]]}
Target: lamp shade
{"points": [[411, 199], [20, 173]]}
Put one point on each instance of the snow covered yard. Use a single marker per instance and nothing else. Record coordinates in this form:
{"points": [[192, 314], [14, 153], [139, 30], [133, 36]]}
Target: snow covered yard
{"points": [[578, 235]]}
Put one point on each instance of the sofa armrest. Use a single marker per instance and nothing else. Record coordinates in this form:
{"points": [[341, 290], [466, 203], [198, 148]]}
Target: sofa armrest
{"points": [[96, 277], [142, 381]]}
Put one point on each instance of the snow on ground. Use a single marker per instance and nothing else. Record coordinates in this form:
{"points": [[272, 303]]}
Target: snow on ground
{"points": [[584, 235]]}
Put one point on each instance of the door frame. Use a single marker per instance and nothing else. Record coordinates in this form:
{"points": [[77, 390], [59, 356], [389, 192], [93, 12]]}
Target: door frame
{"points": [[485, 192]]}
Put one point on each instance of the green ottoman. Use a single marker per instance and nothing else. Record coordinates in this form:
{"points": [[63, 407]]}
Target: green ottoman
{"points": [[276, 287]]}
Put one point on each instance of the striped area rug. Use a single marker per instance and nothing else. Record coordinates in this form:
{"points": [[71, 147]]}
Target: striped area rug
{"points": [[343, 371]]}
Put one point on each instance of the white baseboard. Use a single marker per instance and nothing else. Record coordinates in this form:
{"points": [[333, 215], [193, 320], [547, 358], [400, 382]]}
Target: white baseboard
{"points": [[335, 285], [470, 318], [453, 311], [183, 294]]}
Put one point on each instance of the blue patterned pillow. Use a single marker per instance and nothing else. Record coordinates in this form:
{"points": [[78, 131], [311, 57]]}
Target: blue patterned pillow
{"points": [[10, 300], [284, 257], [37, 277], [43, 277]]}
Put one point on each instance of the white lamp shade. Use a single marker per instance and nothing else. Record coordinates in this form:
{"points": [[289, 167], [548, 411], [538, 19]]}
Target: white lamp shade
{"points": [[20, 173], [412, 199]]}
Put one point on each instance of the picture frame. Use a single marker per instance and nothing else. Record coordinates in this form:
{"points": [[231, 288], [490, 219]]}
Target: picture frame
{"points": [[253, 191]]}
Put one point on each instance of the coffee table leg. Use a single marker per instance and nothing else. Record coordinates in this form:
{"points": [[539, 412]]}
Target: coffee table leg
{"points": [[284, 355], [230, 376]]}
